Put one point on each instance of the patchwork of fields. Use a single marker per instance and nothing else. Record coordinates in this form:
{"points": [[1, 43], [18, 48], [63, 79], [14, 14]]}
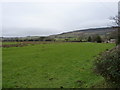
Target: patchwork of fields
{"points": [[51, 65]]}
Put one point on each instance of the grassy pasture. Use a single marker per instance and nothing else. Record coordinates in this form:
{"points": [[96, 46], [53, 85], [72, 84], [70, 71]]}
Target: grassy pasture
{"points": [[52, 65]]}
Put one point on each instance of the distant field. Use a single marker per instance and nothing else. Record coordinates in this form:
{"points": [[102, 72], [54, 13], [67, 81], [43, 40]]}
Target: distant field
{"points": [[52, 65], [9, 43]]}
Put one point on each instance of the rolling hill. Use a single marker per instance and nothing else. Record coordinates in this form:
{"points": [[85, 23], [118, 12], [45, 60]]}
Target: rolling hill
{"points": [[103, 32], [86, 32]]}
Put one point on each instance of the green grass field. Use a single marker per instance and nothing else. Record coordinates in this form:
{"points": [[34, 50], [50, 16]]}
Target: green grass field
{"points": [[53, 65]]}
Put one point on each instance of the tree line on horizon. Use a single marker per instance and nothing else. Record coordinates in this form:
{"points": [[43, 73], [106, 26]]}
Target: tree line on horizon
{"points": [[93, 38]]}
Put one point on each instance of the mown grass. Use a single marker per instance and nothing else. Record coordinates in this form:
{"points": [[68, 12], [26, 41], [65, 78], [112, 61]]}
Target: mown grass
{"points": [[59, 65]]}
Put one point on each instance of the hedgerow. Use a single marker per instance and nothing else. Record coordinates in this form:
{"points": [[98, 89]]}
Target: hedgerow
{"points": [[107, 65]]}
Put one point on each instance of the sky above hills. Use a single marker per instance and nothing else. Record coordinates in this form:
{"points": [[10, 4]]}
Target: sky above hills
{"points": [[44, 18]]}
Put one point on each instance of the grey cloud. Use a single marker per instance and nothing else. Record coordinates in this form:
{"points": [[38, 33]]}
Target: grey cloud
{"points": [[24, 19]]}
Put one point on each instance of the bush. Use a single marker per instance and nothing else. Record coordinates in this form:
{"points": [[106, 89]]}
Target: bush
{"points": [[89, 39], [108, 66], [96, 38], [118, 37]]}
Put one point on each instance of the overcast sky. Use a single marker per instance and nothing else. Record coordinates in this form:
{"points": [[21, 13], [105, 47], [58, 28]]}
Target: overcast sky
{"points": [[35, 19]]}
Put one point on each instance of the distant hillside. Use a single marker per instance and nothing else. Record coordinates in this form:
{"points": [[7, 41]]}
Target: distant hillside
{"points": [[77, 34], [85, 32]]}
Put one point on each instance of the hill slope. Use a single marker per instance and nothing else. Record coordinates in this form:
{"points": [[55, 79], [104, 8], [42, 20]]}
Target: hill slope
{"points": [[86, 32]]}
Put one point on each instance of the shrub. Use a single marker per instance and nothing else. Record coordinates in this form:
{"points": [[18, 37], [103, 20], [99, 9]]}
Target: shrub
{"points": [[96, 38], [118, 37], [89, 39], [108, 66]]}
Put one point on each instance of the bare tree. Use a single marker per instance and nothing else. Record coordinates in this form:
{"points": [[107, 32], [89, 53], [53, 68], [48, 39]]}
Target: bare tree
{"points": [[116, 19]]}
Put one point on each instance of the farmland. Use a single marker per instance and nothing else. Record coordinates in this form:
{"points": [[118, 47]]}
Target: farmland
{"points": [[51, 65]]}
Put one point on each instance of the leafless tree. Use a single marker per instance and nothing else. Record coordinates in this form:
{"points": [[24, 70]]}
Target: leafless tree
{"points": [[116, 20]]}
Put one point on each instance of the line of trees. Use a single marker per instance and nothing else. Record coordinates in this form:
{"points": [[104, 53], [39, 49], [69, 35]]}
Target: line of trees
{"points": [[27, 39], [95, 38]]}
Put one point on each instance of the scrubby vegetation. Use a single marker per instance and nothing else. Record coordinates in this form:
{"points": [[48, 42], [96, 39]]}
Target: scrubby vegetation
{"points": [[108, 66]]}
